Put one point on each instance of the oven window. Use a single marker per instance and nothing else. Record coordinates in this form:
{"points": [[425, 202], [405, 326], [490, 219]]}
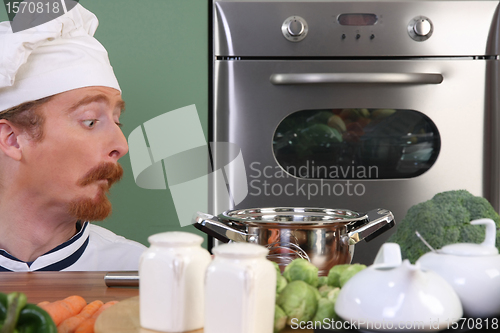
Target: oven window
{"points": [[356, 144]]}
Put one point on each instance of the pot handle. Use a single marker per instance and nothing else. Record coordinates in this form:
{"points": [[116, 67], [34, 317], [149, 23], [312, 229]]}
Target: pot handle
{"points": [[378, 221], [212, 226]]}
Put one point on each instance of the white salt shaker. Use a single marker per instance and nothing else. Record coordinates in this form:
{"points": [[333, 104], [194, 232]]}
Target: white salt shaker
{"points": [[171, 286], [240, 290]]}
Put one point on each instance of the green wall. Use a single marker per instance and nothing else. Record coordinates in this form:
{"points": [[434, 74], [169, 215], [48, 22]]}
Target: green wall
{"points": [[159, 51]]}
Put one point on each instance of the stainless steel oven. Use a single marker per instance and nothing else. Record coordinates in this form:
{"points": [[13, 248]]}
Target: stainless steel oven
{"points": [[357, 104]]}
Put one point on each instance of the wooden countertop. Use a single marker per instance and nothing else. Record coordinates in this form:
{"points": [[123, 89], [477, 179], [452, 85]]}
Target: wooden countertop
{"points": [[52, 286]]}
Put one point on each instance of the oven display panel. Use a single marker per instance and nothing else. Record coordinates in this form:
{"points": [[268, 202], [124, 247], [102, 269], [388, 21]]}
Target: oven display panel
{"points": [[357, 19]]}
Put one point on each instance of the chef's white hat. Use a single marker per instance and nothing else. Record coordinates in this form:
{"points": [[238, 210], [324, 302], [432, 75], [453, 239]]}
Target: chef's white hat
{"points": [[54, 57]]}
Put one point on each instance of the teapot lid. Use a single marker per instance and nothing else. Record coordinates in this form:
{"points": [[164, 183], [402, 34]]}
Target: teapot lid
{"points": [[486, 248]]}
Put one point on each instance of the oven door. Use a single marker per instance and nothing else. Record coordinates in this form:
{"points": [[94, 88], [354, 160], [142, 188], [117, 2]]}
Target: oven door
{"points": [[353, 134]]}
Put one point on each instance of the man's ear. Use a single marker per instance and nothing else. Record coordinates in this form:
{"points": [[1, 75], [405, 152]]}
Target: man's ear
{"points": [[9, 140]]}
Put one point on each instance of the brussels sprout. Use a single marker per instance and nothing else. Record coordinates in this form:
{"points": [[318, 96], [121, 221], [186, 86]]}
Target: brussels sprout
{"points": [[326, 310], [277, 267], [337, 123], [350, 272], [301, 269], [316, 292], [334, 274], [340, 274], [382, 113], [365, 113], [279, 319], [280, 284], [298, 300], [322, 280], [280, 280], [325, 289], [333, 294]]}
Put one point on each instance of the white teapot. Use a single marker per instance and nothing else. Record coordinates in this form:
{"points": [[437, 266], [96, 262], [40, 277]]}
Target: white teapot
{"points": [[473, 270], [394, 295]]}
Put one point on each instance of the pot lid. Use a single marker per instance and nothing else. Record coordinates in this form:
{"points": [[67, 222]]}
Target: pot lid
{"points": [[291, 215], [486, 248]]}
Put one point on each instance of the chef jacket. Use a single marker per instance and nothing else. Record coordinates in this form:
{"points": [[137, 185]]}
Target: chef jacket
{"points": [[93, 248]]}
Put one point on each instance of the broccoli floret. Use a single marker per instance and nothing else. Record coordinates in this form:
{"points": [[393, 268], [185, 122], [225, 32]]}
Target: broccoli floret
{"points": [[443, 220]]}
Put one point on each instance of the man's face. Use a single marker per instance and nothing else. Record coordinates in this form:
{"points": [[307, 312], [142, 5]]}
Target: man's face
{"points": [[74, 164]]}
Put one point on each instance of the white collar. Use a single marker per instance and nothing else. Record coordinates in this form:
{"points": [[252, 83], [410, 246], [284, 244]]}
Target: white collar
{"points": [[59, 258]]}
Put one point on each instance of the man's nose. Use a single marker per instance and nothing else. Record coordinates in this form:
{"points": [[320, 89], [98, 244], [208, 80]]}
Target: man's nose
{"points": [[119, 145]]}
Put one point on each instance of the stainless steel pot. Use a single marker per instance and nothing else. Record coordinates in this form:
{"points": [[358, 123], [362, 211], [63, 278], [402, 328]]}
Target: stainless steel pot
{"points": [[325, 237]]}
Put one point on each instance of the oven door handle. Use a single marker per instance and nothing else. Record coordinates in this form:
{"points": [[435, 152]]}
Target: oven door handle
{"points": [[372, 78]]}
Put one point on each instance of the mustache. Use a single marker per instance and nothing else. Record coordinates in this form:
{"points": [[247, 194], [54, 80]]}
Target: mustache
{"points": [[105, 171]]}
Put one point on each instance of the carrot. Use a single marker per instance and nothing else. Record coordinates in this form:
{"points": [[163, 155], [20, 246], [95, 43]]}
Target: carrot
{"points": [[274, 237], [66, 308], [87, 326], [69, 325], [43, 303]]}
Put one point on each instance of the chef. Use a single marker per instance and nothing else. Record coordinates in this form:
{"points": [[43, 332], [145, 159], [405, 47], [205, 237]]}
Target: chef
{"points": [[60, 142]]}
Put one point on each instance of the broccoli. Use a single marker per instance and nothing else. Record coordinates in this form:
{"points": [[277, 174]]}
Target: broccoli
{"points": [[443, 220]]}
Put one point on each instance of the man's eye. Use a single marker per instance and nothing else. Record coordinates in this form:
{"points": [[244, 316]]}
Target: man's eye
{"points": [[90, 122]]}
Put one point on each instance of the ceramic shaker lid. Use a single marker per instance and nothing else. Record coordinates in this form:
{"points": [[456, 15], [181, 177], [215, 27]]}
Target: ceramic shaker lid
{"points": [[175, 238], [240, 250]]}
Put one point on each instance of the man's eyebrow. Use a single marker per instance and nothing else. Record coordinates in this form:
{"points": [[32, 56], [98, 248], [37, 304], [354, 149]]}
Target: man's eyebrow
{"points": [[100, 98]]}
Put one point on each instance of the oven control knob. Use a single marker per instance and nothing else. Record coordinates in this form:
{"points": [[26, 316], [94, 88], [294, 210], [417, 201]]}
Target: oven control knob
{"points": [[294, 28], [420, 28]]}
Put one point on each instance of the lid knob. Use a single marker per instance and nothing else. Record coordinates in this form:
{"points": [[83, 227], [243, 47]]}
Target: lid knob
{"points": [[389, 255]]}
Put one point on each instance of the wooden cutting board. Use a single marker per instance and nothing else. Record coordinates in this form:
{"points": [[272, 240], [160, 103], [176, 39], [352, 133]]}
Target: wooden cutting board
{"points": [[123, 317]]}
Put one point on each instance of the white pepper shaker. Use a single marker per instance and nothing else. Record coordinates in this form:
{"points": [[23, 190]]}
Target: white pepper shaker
{"points": [[240, 290], [171, 286]]}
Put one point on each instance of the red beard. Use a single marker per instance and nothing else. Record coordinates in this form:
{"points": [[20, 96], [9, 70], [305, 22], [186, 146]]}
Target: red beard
{"points": [[99, 208]]}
